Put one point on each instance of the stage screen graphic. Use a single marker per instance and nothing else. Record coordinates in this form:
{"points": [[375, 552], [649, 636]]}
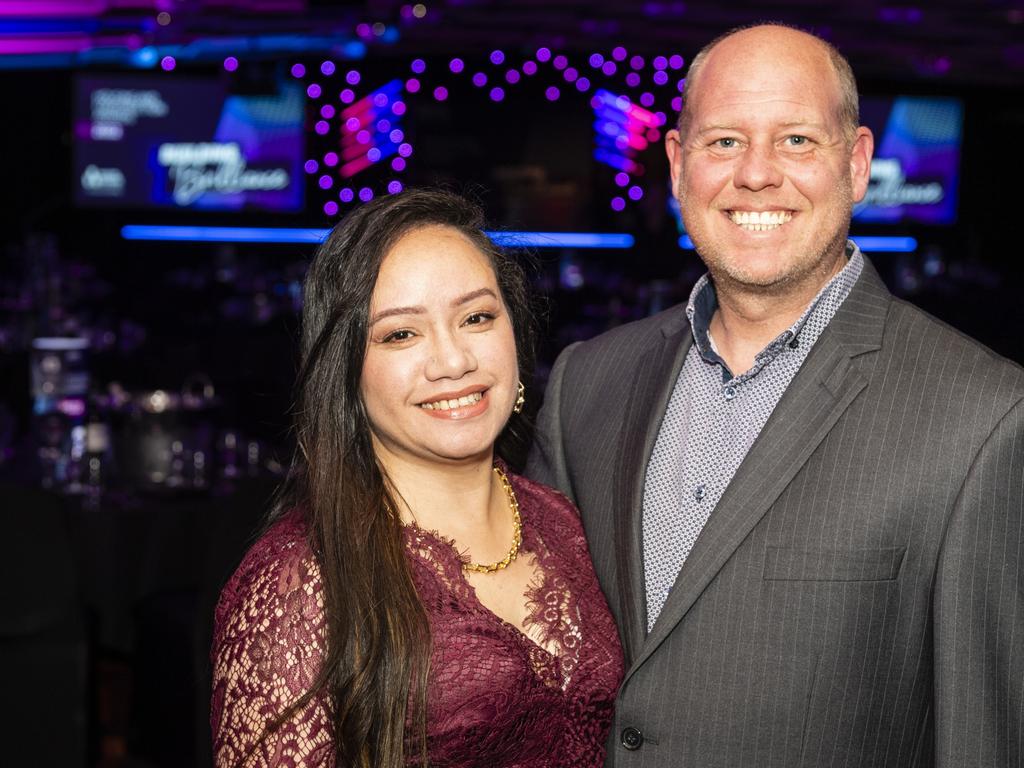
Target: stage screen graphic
{"points": [[915, 170], [186, 143]]}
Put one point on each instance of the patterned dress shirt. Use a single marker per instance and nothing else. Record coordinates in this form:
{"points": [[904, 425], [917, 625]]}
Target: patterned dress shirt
{"points": [[712, 420]]}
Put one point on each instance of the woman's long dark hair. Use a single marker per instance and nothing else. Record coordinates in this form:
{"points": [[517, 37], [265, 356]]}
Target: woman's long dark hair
{"points": [[376, 633]]}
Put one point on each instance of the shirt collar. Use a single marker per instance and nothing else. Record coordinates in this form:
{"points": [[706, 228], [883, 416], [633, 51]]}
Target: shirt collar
{"points": [[704, 301]]}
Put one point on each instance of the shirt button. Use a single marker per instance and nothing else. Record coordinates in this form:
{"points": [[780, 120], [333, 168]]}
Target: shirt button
{"points": [[699, 491], [730, 392], [632, 739]]}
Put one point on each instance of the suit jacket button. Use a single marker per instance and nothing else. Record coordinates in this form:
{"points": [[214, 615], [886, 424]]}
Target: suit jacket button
{"points": [[632, 739]]}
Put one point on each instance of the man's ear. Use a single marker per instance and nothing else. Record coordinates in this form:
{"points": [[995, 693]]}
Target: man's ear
{"points": [[674, 150], [860, 162]]}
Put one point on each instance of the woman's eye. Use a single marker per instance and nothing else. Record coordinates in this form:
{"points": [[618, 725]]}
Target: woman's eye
{"points": [[396, 336], [478, 318]]}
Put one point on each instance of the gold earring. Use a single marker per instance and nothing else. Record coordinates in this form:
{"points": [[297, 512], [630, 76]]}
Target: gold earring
{"points": [[520, 399]]}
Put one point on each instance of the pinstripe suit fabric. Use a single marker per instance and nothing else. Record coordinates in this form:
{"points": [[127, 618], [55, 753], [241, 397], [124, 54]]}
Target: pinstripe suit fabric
{"points": [[857, 596]]}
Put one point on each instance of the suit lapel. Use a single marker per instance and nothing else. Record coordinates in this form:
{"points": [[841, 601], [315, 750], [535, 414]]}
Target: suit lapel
{"points": [[827, 383], [654, 378]]}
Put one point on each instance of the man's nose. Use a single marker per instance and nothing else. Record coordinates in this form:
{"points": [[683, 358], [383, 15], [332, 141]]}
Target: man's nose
{"points": [[757, 168]]}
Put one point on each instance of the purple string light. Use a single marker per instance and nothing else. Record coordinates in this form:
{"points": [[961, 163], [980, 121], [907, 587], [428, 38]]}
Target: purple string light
{"points": [[325, 182], [366, 194], [560, 62], [479, 79], [346, 96], [552, 93], [327, 111], [456, 65], [543, 54], [618, 204], [331, 159], [346, 195], [313, 91], [418, 66], [497, 93], [230, 64], [632, 79], [512, 76], [327, 67], [167, 63], [412, 85], [352, 77], [394, 187], [311, 166], [322, 127], [330, 208], [497, 57], [619, 53], [298, 70]]}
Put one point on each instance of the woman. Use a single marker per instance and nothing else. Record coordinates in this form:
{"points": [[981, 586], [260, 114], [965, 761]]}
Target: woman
{"points": [[413, 602]]}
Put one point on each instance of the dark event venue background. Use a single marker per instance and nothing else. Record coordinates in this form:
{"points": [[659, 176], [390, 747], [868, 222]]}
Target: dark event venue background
{"points": [[145, 383]]}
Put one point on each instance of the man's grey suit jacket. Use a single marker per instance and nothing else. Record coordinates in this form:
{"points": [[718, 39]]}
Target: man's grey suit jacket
{"points": [[857, 597]]}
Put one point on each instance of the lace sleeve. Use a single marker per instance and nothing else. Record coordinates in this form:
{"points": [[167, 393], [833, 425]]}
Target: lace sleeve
{"points": [[268, 642]]}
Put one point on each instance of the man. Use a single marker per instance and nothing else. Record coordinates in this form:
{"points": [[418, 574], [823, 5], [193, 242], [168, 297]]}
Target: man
{"points": [[803, 496]]}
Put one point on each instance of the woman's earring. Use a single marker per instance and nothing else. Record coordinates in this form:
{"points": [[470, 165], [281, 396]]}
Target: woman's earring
{"points": [[520, 399]]}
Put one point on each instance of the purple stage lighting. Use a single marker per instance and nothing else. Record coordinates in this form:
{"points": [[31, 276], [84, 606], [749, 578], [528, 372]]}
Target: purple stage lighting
{"points": [[383, 125], [512, 76], [618, 204], [352, 77], [440, 93], [647, 99], [570, 74], [609, 68], [327, 111], [543, 54], [230, 64], [412, 85], [418, 66], [398, 164], [331, 208], [619, 53], [405, 149], [583, 85], [346, 195], [366, 194], [331, 159], [660, 62], [311, 166], [313, 91], [596, 60], [552, 93], [346, 96], [621, 178], [677, 103], [675, 61], [327, 68], [479, 79], [298, 70], [396, 136], [373, 155], [380, 100], [497, 94], [560, 62], [530, 67], [635, 193], [322, 127], [398, 108], [325, 182], [394, 187], [497, 57], [637, 62], [167, 63], [632, 79], [660, 78]]}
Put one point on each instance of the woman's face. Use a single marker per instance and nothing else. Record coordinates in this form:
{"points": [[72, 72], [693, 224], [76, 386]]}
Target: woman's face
{"points": [[440, 373]]}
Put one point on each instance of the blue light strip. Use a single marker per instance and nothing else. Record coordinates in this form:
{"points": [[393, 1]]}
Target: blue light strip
{"points": [[867, 243], [297, 235]]}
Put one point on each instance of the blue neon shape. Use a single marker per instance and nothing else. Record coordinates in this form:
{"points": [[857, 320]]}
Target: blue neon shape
{"points": [[867, 243], [313, 235]]}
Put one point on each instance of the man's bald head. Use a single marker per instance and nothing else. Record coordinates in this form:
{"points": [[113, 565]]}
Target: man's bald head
{"points": [[849, 106]]}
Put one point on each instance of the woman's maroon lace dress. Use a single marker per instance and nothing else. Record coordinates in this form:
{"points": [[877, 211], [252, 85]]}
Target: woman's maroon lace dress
{"points": [[495, 698]]}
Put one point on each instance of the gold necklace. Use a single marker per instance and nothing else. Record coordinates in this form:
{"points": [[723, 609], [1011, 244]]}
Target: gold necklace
{"points": [[517, 531]]}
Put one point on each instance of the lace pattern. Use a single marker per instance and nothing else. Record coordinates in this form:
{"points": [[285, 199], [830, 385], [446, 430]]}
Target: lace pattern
{"points": [[496, 697]]}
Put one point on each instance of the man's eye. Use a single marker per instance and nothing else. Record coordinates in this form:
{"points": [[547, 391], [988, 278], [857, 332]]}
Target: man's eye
{"points": [[725, 143], [798, 141], [396, 336]]}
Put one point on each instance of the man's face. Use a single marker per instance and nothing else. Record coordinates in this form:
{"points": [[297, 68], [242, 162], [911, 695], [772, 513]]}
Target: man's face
{"points": [[765, 176]]}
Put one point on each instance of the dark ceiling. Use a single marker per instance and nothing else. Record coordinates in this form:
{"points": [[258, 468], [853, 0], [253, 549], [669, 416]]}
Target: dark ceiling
{"points": [[948, 42]]}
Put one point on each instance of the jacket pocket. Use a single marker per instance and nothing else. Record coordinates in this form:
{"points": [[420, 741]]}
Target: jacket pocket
{"points": [[793, 564]]}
